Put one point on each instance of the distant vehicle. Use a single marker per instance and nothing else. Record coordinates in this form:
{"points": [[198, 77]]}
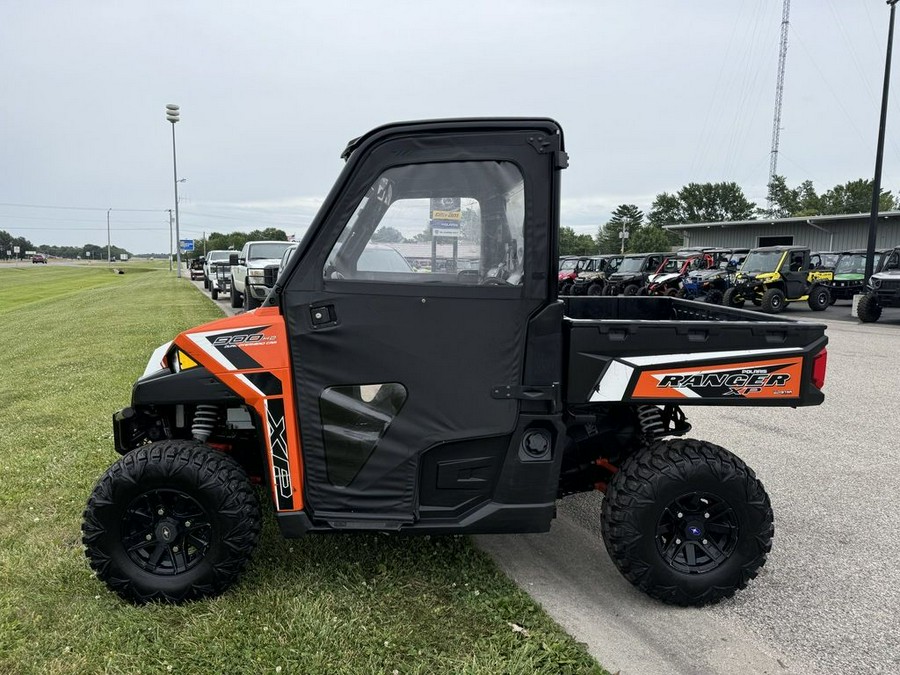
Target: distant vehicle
{"points": [[211, 258], [39, 258], [883, 288], [633, 272], [248, 271], [196, 267], [849, 274]]}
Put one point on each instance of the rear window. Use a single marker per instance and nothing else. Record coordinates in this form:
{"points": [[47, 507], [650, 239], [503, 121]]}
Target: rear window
{"points": [[265, 251]]}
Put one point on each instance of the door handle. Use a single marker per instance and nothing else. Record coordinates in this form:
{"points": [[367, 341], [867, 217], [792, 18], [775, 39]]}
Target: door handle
{"points": [[322, 316]]}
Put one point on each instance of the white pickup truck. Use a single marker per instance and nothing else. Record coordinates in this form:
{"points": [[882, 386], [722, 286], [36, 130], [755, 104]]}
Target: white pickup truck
{"points": [[248, 271]]}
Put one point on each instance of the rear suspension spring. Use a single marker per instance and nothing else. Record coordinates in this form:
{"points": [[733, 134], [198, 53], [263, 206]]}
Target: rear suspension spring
{"points": [[651, 422], [205, 419]]}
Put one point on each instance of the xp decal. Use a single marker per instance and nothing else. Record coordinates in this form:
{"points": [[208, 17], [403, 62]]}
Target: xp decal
{"points": [[767, 379]]}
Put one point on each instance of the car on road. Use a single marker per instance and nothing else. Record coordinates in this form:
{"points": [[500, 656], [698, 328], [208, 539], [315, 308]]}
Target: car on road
{"points": [[196, 267], [211, 258], [248, 272], [38, 258]]}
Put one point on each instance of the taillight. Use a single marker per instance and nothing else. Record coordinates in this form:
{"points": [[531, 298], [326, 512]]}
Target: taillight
{"points": [[820, 362]]}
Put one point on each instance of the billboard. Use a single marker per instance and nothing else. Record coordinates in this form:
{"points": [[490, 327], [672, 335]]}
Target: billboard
{"points": [[445, 216]]}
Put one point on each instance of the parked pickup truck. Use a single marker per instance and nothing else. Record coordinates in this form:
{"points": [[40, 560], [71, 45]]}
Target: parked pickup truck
{"points": [[390, 400], [248, 271]]}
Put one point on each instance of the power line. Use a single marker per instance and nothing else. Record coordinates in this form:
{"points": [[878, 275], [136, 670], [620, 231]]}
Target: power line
{"points": [[77, 208]]}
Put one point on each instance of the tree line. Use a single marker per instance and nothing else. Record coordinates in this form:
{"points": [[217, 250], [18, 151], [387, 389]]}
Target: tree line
{"points": [[97, 252], [717, 202]]}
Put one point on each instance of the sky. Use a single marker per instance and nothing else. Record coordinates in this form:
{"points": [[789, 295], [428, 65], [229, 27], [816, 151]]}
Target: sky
{"points": [[651, 95]]}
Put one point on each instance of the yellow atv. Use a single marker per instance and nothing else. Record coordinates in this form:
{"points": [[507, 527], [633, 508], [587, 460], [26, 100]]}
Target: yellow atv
{"points": [[774, 275]]}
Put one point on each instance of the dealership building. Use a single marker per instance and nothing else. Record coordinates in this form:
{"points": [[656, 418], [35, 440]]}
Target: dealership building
{"points": [[819, 233]]}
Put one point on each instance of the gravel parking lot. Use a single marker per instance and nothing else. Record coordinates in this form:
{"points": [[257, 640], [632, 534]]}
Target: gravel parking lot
{"points": [[827, 600]]}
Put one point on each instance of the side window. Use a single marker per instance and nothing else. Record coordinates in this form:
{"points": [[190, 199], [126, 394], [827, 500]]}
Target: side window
{"points": [[448, 223]]}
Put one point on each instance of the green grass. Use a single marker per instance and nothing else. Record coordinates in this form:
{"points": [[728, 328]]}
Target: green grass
{"points": [[323, 604]]}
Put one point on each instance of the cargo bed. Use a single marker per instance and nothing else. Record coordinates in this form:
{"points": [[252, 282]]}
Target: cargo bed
{"points": [[667, 350]]}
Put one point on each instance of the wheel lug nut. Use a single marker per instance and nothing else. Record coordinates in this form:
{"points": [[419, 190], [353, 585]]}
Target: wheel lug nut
{"points": [[148, 537], [187, 523], [175, 548], [706, 515], [678, 541], [680, 514], [160, 512], [704, 542]]}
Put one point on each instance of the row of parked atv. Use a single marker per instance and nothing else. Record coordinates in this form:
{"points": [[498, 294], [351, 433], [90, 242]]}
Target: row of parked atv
{"points": [[767, 277]]}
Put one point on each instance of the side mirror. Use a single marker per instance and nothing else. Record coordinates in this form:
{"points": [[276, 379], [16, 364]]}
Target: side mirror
{"points": [[233, 259], [242, 261]]}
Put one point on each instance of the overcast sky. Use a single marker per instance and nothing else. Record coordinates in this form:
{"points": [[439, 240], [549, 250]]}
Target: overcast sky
{"points": [[651, 95]]}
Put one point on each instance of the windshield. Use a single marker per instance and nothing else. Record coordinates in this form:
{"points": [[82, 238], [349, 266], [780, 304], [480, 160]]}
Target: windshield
{"points": [[853, 263], [893, 262], [213, 256], [265, 251], [672, 265], [568, 265], [631, 265], [829, 259], [762, 261]]}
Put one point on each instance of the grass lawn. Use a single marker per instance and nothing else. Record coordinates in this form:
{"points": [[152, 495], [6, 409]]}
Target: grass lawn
{"points": [[76, 341]]}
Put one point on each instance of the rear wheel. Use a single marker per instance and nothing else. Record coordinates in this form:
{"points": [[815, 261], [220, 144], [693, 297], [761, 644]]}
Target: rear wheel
{"points": [[868, 310], [205, 282], [632, 289], [236, 299], [687, 522], [714, 297], [214, 293], [566, 288], [171, 521], [772, 301], [596, 288], [819, 299], [672, 292], [731, 298]]}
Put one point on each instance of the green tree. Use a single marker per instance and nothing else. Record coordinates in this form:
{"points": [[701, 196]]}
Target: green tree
{"points": [[702, 203], [854, 196], [608, 236], [650, 238], [387, 235], [571, 243]]}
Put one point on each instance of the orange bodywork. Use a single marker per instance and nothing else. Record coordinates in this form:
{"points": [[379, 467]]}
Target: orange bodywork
{"points": [[249, 354], [776, 378]]}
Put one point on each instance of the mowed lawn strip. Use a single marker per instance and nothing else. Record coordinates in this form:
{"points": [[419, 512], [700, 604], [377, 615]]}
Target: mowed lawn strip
{"points": [[322, 604]]}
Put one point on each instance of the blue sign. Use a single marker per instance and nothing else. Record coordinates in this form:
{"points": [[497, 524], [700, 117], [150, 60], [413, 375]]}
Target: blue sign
{"points": [[187, 245]]}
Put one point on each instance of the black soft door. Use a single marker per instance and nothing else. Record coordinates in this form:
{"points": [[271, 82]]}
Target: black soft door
{"points": [[408, 306]]}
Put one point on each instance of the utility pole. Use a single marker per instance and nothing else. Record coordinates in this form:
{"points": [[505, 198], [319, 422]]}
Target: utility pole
{"points": [[172, 115], [624, 235], [170, 239], [204, 244], [779, 93], [108, 246], [879, 152]]}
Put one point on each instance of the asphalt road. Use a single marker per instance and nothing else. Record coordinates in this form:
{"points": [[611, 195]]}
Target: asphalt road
{"points": [[828, 599]]}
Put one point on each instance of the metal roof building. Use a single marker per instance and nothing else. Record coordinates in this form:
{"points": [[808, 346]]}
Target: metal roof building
{"points": [[820, 233]]}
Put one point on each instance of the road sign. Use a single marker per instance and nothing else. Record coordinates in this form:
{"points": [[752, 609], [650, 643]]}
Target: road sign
{"points": [[186, 245], [16, 249]]}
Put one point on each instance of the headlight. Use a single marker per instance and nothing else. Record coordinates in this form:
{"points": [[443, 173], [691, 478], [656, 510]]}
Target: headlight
{"points": [[178, 361], [256, 273], [876, 282]]}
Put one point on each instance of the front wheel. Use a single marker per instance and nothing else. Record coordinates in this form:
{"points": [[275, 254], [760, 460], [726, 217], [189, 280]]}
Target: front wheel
{"points": [[868, 310], [687, 522], [171, 521], [236, 299], [772, 301], [205, 282], [632, 289], [214, 293], [731, 298], [714, 297], [819, 299], [566, 288], [595, 288]]}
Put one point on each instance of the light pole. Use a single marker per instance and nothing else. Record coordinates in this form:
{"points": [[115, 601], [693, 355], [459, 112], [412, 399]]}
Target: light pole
{"points": [[879, 152], [108, 247], [172, 115], [170, 239]]}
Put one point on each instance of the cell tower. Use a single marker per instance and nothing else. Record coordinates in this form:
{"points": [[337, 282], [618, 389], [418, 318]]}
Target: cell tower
{"points": [[779, 89]]}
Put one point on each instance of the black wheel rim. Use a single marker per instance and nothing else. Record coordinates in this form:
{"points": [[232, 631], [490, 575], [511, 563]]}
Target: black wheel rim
{"points": [[697, 532], [166, 532]]}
